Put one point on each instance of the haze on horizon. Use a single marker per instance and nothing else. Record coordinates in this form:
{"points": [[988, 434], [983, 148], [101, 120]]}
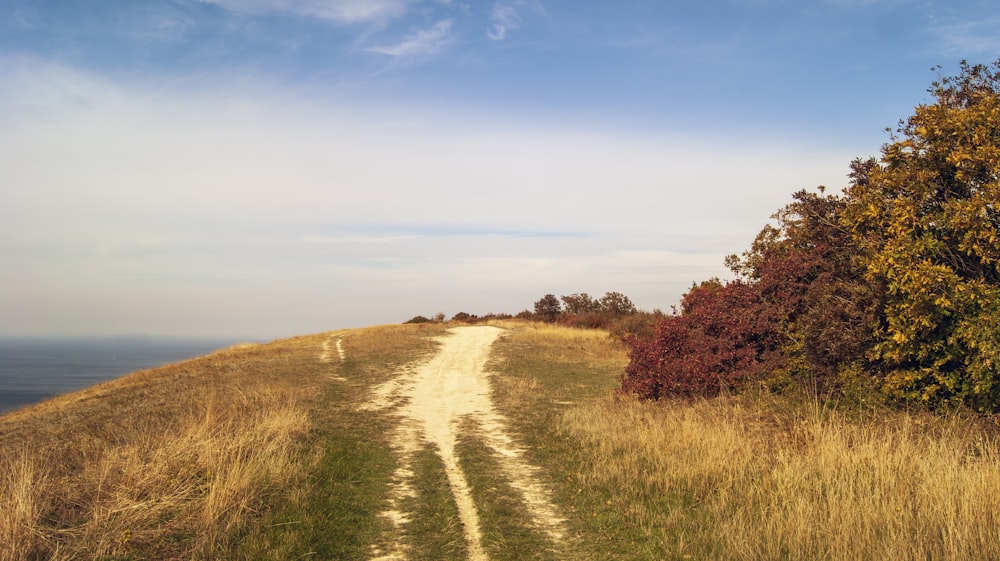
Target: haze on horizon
{"points": [[266, 168]]}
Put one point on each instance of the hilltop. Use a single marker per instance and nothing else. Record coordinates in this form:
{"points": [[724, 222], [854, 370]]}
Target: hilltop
{"points": [[331, 446]]}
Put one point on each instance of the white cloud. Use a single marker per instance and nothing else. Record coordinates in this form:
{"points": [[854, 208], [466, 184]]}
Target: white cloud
{"points": [[422, 42], [338, 11]]}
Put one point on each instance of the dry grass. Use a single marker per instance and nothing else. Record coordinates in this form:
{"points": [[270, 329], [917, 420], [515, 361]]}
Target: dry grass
{"points": [[723, 479], [182, 462], [564, 344], [743, 477], [165, 463]]}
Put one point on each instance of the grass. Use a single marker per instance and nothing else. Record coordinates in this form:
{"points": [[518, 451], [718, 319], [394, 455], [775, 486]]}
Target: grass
{"points": [[542, 373], [334, 513], [434, 532], [723, 478], [745, 477], [206, 459], [264, 452], [507, 532], [172, 462]]}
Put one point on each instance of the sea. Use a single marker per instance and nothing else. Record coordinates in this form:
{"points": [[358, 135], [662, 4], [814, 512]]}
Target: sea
{"points": [[33, 369]]}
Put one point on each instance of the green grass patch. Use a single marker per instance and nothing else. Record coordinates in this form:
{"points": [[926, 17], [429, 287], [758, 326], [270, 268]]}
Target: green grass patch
{"points": [[333, 512], [434, 532], [505, 521]]}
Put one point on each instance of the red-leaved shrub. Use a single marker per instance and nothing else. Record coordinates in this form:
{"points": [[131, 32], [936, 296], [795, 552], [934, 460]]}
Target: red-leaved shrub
{"points": [[723, 336]]}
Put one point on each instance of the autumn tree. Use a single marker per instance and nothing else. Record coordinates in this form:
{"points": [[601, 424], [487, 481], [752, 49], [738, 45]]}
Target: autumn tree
{"points": [[581, 303], [811, 275], [927, 217], [895, 282], [548, 308], [616, 304]]}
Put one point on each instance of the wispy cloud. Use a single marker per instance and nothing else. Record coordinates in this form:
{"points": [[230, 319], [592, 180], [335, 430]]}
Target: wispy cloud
{"points": [[337, 11], [155, 23], [360, 239], [503, 19], [506, 17], [388, 234], [422, 42], [969, 38]]}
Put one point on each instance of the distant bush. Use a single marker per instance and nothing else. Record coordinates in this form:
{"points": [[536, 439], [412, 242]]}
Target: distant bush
{"points": [[417, 319], [491, 315], [582, 310], [640, 324]]}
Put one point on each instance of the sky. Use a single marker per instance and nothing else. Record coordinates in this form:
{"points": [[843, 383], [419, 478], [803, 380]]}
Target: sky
{"points": [[269, 168]]}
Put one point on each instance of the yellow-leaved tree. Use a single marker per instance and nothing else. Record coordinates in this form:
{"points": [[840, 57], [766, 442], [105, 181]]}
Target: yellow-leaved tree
{"points": [[926, 217]]}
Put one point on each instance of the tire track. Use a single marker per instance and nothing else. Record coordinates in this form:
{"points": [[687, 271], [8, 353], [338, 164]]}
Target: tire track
{"points": [[432, 400]]}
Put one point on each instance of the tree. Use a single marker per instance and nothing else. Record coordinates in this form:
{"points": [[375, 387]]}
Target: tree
{"points": [[927, 217], [581, 303], [548, 308], [811, 275], [898, 279], [617, 304]]}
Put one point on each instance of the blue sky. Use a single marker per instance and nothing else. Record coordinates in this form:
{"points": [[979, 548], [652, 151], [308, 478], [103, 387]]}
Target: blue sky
{"points": [[263, 168]]}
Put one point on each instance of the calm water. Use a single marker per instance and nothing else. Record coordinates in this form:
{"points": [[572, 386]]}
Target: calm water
{"points": [[34, 369]]}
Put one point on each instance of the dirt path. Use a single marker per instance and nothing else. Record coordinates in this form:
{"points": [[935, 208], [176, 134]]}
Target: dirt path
{"points": [[432, 400], [325, 354]]}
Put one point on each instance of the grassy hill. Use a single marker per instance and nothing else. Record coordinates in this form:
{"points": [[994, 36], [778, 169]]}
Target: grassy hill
{"points": [[270, 452]]}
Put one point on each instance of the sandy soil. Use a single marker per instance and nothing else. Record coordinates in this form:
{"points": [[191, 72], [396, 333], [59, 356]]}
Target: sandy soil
{"points": [[432, 400]]}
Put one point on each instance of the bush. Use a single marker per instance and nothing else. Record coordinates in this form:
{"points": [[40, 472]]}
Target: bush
{"points": [[723, 337]]}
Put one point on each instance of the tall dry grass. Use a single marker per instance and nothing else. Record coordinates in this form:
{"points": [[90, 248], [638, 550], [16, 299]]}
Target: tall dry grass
{"points": [[554, 343], [740, 479], [169, 463], [20, 482]]}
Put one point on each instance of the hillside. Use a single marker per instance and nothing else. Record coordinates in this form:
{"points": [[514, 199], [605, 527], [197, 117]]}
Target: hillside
{"points": [[332, 446]]}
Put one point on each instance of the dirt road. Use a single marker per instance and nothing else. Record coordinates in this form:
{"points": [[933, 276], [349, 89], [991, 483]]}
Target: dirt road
{"points": [[434, 401]]}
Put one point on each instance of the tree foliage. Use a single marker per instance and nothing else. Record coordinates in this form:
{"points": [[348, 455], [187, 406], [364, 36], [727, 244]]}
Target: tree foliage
{"points": [[581, 303], [926, 216], [614, 311], [897, 279], [548, 308], [617, 304], [810, 275], [719, 340]]}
